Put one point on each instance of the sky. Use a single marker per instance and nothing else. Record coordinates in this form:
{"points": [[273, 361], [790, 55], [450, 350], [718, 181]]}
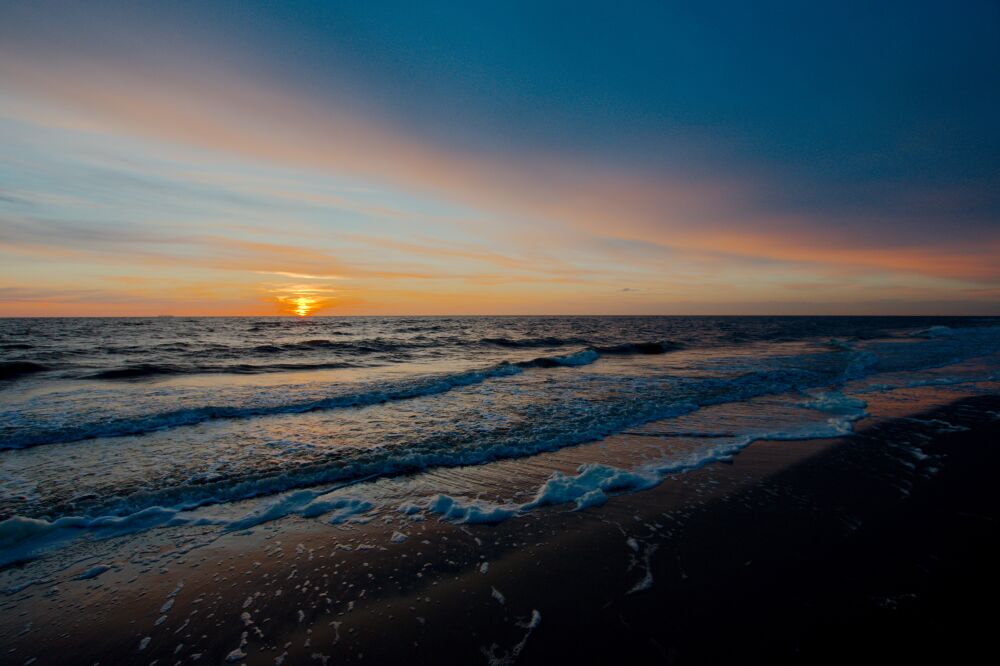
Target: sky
{"points": [[259, 158]]}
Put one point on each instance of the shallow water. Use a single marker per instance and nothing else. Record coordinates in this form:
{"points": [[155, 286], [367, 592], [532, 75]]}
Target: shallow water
{"points": [[112, 425]]}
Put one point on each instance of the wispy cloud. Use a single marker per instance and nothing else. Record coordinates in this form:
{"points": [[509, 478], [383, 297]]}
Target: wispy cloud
{"points": [[304, 276]]}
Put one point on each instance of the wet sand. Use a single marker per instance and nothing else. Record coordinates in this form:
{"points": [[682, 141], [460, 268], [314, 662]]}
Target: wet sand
{"points": [[879, 545]]}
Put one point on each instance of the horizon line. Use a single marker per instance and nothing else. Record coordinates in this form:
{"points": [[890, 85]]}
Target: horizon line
{"points": [[547, 316]]}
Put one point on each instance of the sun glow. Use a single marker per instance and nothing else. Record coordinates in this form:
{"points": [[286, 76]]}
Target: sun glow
{"points": [[304, 305], [302, 300]]}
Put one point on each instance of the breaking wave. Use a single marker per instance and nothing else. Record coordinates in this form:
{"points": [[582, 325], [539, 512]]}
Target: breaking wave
{"points": [[423, 386]]}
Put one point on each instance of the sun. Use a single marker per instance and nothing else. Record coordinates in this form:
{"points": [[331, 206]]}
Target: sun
{"points": [[302, 300], [304, 306]]}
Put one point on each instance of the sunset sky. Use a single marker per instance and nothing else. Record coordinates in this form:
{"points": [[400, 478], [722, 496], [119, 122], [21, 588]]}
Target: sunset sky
{"points": [[223, 158]]}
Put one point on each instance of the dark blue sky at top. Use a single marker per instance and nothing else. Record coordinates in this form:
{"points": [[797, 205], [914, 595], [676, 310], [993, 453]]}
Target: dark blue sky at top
{"points": [[859, 102], [861, 108]]}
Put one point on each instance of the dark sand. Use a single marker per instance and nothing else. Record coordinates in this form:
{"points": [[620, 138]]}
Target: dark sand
{"points": [[881, 545]]}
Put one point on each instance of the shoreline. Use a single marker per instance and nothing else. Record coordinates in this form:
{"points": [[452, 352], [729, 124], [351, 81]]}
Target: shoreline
{"points": [[796, 551]]}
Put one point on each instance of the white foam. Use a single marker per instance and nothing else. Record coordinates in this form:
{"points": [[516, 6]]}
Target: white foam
{"points": [[589, 486], [305, 503], [585, 357], [469, 511], [22, 538]]}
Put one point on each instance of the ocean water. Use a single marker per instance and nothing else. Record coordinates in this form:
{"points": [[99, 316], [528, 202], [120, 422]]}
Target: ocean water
{"points": [[110, 426]]}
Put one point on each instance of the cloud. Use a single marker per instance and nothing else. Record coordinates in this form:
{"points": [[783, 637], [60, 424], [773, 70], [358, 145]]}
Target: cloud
{"points": [[304, 276], [720, 215], [37, 295]]}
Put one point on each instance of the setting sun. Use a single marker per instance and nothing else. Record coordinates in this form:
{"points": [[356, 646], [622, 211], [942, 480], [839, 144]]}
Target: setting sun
{"points": [[303, 306], [302, 300]]}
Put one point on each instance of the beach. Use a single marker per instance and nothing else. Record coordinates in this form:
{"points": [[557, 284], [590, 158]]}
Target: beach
{"points": [[808, 551]]}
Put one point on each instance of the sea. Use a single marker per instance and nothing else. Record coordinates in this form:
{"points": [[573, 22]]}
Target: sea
{"points": [[123, 425]]}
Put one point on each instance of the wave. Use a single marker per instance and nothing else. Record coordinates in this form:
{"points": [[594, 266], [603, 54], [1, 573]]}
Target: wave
{"points": [[935, 332], [647, 348], [15, 369], [420, 329], [323, 344], [623, 348], [251, 369], [309, 487], [594, 482], [522, 343], [373, 346], [583, 357], [138, 371], [382, 346], [267, 349], [424, 386], [21, 536], [266, 325], [351, 464], [143, 371]]}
